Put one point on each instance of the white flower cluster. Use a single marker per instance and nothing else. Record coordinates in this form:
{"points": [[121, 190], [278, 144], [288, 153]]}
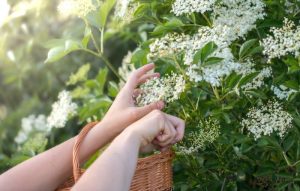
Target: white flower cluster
{"points": [[268, 119], [61, 110], [283, 41], [126, 68], [168, 45], [31, 124], [238, 15], [258, 81], [190, 6], [282, 92], [167, 89], [208, 132], [79, 8], [174, 43]]}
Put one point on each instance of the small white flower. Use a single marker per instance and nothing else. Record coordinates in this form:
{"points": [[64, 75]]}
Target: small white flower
{"points": [[283, 41], [21, 137], [268, 119], [61, 110], [32, 124], [239, 16], [192, 6], [258, 81], [282, 92], [208, 132], [167, 89]]}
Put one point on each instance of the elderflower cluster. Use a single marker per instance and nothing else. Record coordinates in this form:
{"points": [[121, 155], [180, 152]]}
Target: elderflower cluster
{"points": [[181, 7], [268, 119], [167, 89], [283, 41], [282, 92], [168, 45], [126, 68], [79, 8], [213, 73], [174, 43], [258, 81], [61, 110], [238, 15], [208, 132], [31, 124]]}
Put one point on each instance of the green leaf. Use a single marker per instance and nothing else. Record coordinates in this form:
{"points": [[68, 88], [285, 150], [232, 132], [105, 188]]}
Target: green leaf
{"points": [[212, 60], [104, 11], [139, 58], [87, 36], [55, 54], [71, 45], [101, 80], [202, 54], [113, 89], [171, 25], [207, 50], [248, 78], [59, 52], [233, 80], [80, 92], [246, 48]]}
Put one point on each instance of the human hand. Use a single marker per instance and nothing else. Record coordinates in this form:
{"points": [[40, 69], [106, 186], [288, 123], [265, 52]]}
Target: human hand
{"points": [[157, 130], [123, 111]]}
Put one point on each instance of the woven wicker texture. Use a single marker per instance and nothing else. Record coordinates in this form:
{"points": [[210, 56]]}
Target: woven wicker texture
{"points": [[153, 173]]}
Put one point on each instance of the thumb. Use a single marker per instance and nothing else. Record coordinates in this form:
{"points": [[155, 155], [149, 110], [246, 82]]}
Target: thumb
{"points": [[144, 110]]}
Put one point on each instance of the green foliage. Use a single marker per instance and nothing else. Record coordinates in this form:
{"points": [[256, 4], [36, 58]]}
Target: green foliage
{"points": [[234, 161]]}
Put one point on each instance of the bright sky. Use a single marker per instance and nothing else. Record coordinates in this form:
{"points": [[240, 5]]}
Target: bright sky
{"points": [[4, 10]]}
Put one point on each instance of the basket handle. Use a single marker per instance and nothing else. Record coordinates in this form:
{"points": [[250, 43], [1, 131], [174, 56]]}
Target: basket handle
{"points": [[78, 141]]}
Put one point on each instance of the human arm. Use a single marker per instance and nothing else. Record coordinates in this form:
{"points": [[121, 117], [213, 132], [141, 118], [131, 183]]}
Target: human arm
{"points": [[51, 168], [114, 169]]}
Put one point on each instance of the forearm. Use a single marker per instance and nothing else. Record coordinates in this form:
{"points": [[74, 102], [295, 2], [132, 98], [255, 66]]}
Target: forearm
{"points": [[114, 169], [51, 168]]}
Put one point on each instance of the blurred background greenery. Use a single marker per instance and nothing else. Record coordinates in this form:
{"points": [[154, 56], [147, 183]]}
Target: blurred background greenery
{"points": [[29, 28]]}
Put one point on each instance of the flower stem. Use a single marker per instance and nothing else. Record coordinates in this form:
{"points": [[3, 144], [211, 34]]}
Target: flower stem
{"points": [[106, 62]]}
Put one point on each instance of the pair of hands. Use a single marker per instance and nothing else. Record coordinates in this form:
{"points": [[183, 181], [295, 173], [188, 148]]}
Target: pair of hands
{"points": [[152, 127]]}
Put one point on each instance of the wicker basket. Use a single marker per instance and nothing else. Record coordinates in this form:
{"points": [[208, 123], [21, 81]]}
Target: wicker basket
{"points": [[153, 173]]}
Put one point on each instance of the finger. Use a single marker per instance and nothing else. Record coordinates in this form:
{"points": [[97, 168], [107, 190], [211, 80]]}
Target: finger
{"points": [[144, 110], [179, 124], [136, 75], [168, 135], [146, 77], [137, 92]]}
